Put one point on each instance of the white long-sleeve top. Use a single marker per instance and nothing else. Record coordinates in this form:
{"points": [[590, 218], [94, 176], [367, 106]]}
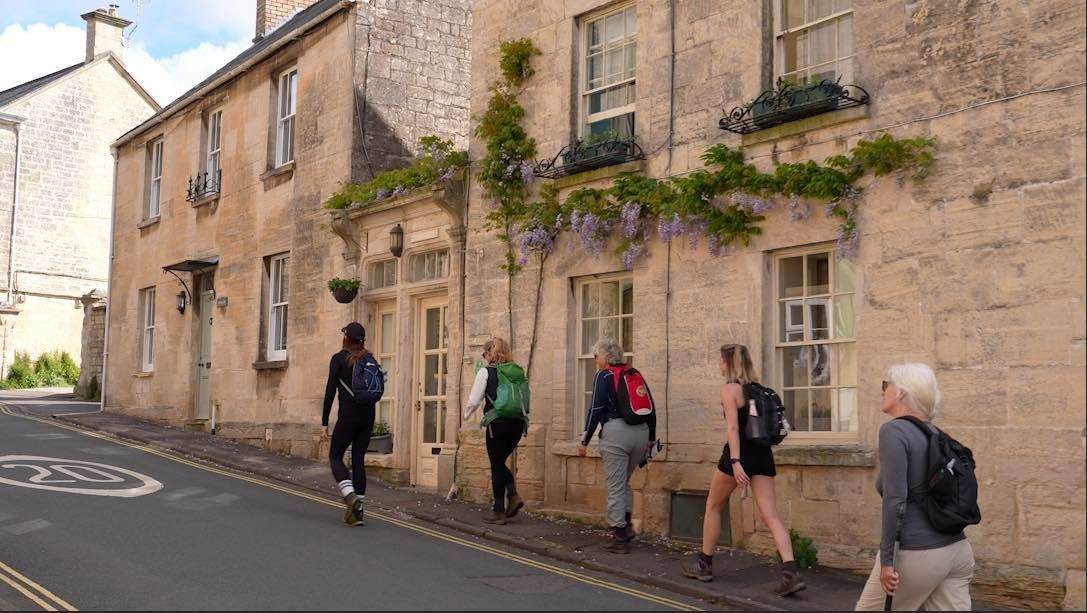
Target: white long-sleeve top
{"points": [[479, 389]]}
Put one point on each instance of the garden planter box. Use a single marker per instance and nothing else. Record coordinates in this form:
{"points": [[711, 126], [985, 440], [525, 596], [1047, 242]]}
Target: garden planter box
{"points": [[600, 154], [382, 443], [796, 103]]}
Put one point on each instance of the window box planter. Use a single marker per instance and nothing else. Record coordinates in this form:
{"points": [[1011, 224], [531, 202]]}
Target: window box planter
{"points": [[793, 102], [581, 156], [380, 443]]}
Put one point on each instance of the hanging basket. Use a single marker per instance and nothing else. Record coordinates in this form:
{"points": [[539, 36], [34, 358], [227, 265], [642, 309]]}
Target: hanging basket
{"points": [[343, 295]]}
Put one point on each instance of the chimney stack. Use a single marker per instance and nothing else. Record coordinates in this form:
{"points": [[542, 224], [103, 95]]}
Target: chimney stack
{"points": [[104, 30], [272, 13]]}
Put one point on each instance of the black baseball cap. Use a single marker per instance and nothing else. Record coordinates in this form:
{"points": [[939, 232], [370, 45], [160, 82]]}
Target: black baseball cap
{"points": [[354, 331]]}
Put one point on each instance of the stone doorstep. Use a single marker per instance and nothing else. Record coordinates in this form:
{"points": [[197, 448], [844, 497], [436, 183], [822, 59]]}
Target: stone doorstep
{"points": [[312, 475]]}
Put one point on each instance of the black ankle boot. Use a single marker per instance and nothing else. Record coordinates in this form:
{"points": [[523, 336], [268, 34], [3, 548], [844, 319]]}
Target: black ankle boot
{"points": [[619, 542]]}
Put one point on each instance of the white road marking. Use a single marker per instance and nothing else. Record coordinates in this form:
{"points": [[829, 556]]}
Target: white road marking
{"points": [[50, 473], [26, 526], [49, 436]]}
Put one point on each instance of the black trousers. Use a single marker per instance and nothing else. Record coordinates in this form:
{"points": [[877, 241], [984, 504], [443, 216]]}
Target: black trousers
{"points": [[502, 439], [351, 431]]}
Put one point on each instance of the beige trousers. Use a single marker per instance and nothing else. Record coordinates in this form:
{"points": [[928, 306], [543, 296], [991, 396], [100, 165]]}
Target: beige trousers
{"points": [[928, 579]]}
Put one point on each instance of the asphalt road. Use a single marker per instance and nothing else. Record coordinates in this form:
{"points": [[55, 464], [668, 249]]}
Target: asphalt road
{"points": [[173, 534]]}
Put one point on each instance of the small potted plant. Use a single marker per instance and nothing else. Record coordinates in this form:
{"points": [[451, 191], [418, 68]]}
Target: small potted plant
{"points": [[792, 99], [344, 290], [381, 440]]}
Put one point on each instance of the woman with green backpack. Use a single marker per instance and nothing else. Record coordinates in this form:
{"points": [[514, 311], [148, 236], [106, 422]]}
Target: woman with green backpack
{"points": [[502, 389]]}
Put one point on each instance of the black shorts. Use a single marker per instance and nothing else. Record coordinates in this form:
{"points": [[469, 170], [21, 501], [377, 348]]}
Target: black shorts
{"points": [[755, 459]]}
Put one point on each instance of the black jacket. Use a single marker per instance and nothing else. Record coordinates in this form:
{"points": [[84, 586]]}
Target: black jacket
{"points": [[339, 369]]}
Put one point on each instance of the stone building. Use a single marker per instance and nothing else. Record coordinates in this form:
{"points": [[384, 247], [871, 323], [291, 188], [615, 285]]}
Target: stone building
{"points": [[220, 317], [977, 270], [56, 186]]}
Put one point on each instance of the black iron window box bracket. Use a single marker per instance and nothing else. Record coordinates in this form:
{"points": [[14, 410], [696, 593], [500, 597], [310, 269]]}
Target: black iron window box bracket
{"points": [[790, 102], [582, 156]]}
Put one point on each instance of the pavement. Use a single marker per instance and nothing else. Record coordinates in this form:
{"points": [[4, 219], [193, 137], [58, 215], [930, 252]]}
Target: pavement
{"points": [[742, 580]]}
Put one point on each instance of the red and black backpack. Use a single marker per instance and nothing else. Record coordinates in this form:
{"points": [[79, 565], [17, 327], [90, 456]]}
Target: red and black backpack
{"points": [[633, 400]]}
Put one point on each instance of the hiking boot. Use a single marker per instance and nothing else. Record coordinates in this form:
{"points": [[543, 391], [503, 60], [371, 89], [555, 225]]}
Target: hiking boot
{"points": [[790, 583], [494, 517], [513, 505], [699, 570], [353, 515], [630, 534], [620, 543]]}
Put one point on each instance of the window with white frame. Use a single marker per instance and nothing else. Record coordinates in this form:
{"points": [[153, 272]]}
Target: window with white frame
{"points": [[147, 329], [285, 112], [430, 266], [154, 192], [278, 290], [815, 353], [605, 309], [814, 40], [214, 148], [385, 345], [609, 53], [382, 274]]}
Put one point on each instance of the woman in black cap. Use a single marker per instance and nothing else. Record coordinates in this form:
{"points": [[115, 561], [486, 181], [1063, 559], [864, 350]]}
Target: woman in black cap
{"points": [[354, 422]]}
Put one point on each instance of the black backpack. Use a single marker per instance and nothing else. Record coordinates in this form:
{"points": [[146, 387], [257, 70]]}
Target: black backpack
{"points": [[949, 495], [766, 423]]}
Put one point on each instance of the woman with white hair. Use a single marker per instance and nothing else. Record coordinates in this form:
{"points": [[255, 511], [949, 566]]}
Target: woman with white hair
{"points": [[930, 569], [622, 445]]}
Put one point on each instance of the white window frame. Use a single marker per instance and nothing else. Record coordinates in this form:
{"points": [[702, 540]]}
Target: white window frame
{"points": [[277, 317], [383, 270], [584, 382], [214, 159], [584, 92], [435, 265], [386, 408], [286, 110], [154, 194], [842, 385], [842, 65], [147, 329]]}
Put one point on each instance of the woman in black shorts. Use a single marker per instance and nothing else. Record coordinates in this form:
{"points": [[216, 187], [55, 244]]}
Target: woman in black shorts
{"points": [[742, 463]]}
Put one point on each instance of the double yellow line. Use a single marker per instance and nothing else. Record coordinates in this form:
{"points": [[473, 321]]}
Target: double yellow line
{"points": [[660, 600], [42, 597]]}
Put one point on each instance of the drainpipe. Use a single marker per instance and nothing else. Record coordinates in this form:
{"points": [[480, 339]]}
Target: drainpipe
{"points": [[14, 122], [109, 285]]}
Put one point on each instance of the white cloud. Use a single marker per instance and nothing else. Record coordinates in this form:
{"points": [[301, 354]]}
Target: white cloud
{"points": [[42, 49]]}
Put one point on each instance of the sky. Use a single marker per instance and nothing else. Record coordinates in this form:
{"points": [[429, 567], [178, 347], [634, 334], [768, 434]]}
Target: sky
{"points": [[171, 46]]}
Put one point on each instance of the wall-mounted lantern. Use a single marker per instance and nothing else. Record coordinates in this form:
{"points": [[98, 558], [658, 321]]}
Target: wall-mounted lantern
{"points": [[181, 302], [396, 241]]}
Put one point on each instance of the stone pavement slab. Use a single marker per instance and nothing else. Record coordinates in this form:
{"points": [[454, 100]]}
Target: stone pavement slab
{"points": [[743, 580]]}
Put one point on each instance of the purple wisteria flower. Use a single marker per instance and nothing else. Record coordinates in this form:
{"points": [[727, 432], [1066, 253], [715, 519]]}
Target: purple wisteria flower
{"points": [[494, 203], [399, 191], [536, 238], [717, 247], [631, 219], [848, 244], [671, 229], [528, 173], [381, 194], [594, 232], [448, 174], [798, 209], [695, 229], [633, 252], [752, 204], [828, 208]]}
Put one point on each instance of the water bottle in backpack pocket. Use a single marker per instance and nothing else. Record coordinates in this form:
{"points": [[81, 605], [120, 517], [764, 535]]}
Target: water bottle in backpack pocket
{"points": [[766, 424], [368, 380]]}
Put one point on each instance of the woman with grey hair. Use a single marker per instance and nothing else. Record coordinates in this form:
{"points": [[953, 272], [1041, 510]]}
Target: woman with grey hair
{"points": [[622, 445], [931, 570]]}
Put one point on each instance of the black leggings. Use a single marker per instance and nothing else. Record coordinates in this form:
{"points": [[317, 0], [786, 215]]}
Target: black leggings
{"points": [[502, 439], [354, 432]]}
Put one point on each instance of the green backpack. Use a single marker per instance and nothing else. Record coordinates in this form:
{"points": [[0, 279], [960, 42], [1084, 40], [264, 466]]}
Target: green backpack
{"points": [[511, 400]]}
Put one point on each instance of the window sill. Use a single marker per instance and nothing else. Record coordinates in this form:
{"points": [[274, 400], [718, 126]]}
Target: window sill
{"points": [[147, 223], [205, 200], [9, 309], [569, 448], [270, 365], [278, 175], [596, 174], [807, 124], [143, 374], [825, 455]]}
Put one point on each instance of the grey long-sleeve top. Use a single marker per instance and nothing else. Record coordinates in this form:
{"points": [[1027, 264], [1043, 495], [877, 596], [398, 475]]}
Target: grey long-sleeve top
{"points": [[903, 451]]}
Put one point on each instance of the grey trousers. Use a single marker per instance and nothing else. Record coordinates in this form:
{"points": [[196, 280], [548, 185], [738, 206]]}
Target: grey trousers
{"points": [[622, 446], [929, 580]]}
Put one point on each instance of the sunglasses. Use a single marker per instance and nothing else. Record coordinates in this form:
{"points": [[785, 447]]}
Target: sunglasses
{"points": [[885, 384]]}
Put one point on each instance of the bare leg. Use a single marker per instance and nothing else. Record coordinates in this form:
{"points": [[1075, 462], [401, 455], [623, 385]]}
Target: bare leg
{"points": [[721, 487], [766, 499]]}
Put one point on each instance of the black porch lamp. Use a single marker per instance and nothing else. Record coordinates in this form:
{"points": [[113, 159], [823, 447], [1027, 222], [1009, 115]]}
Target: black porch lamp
{"points": [[396, 241], [181, 302]]}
